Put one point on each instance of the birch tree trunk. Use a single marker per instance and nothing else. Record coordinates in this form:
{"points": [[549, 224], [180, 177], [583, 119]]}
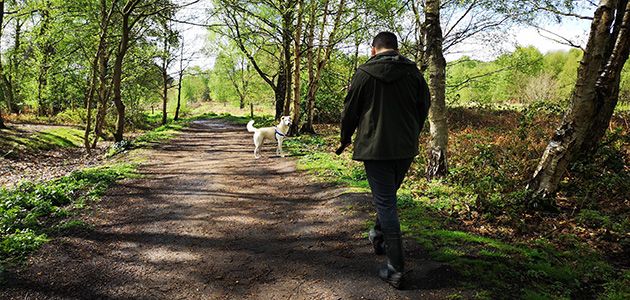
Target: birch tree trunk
{"points": [[607, 86], [438, 145], [591, 105]]}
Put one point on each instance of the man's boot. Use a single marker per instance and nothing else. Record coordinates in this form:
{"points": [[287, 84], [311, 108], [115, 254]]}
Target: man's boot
{"points": [[376, 238], [394, 270]]}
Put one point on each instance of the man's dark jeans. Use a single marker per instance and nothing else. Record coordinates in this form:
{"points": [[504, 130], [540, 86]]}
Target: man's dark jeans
{"points": [[385, 177]]}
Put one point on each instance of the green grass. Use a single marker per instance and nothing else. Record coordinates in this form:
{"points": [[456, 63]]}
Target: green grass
{"points": [[264, 120], [54, 138], [491, 267], [30, 212]]}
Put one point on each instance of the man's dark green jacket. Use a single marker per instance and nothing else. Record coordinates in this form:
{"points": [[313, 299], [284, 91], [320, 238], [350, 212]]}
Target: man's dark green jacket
{"points": [[387, 103]]}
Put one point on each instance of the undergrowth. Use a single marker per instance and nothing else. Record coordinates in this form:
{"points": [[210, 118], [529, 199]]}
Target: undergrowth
{"points": [[30, 212]]}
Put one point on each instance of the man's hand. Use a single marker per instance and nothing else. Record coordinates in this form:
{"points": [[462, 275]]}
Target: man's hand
{"points": [[341, 148]]}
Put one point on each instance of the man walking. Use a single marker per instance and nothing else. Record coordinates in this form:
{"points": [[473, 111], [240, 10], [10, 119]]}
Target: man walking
{"points": [[387, 104]]}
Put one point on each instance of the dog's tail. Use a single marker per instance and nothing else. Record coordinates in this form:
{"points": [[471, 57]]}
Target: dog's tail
{"points": [[250, 126]]}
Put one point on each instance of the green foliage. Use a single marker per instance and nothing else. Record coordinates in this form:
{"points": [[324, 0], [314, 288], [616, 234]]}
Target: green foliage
{"points": [[20, 243], [618, 288], [521, 77], [28, 211]]}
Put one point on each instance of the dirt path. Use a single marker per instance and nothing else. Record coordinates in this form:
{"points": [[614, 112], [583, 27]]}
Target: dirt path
{"points": [[207, 221]]}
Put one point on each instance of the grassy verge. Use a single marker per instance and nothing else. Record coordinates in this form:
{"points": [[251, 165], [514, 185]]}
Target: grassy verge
{"points": [[261, 120], [498, 265], [12, 141], [30, 212]]}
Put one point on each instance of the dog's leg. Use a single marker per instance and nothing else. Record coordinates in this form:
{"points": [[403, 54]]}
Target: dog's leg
{"points": [[279, 151], [257, 143]]}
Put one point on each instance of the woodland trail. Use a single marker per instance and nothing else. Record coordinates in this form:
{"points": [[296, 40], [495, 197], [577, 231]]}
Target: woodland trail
{"points": [[208, 221]]}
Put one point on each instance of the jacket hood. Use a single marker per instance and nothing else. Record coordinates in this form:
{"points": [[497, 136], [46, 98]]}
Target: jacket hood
{"points": [[388, 66]]}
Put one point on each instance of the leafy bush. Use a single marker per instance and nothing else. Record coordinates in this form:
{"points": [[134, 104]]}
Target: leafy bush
{"points": [[21, 242], [71, 117]]}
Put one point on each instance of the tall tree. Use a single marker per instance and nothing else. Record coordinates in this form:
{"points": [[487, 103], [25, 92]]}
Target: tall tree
{"points": [[261, 30], [45, 49], [97, 64], [181, 72], [132, 13], [437, 163], [125, 31], [168, 38], [322, 58], [297, 39], [16, 56], [592, 101], [3, 88]]}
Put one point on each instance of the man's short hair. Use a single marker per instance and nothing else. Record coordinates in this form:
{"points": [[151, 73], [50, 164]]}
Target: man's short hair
{"points": [[385, 40]]}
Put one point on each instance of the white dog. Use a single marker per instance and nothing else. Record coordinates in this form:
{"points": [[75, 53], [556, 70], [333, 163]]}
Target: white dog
{"points": [[277, 133]]}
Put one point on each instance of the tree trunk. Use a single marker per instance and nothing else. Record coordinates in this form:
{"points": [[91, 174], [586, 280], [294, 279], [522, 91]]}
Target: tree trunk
{"points": [[6, 86], [8, 90], [179, 96], [117, 77], [2, 126], [98, 65], [322, 61], [419, 52], [89, 99], [280, 91], [15, 68], [607, 85], [164, 95], [294, 129], [591, 103], [310, 56], [103, 95], [179, 82], [437, 162], [165, 65], [287, 18], [46, 49]]}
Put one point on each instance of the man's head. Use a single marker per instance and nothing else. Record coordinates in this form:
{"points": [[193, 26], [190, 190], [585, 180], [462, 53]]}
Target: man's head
{"points": [[384, 41]]}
